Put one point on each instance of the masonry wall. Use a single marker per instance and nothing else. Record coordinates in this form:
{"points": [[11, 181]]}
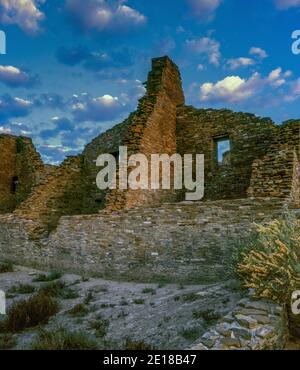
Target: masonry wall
{"points": [[58, 194], [250, 137], [189, 242], [277, 173], [19, 160], [152, 130]]}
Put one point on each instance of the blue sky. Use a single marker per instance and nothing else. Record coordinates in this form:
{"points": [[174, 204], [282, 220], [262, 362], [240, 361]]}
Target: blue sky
{"points": [[74, 68]]}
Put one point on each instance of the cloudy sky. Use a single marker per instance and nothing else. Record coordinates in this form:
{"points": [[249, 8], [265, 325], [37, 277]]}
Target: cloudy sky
{"points": [[74, 68]]}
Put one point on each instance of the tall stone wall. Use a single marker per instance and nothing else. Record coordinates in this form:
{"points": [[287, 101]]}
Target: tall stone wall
{"points": [[182, 241], [20, 163], [152, 130], [277, 173], [249, 135]]}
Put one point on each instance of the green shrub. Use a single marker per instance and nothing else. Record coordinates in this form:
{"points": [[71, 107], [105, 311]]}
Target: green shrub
{"points": [[270, 264], [53, 275], [34, 311], [59, 289], [100, 325], [139, 301], [79, 309], [89, 297], [191, 334], [131, 345], [191, 297], [207, 315], [149, 291], [22, 289], [6, 267], [63, 339]]}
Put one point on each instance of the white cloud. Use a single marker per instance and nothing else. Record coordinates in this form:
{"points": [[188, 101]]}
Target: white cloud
{"points": [[234, 89], [231, 89], [14, 77], [261, 53], [286, 4], [204, 9], [206, 46], [240, 62], [276, 77], [103, 108], [103, 15], [24, 13]]}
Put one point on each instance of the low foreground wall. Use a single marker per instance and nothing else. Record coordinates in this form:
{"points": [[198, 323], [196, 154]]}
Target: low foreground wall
{"points": [[184, 241]]}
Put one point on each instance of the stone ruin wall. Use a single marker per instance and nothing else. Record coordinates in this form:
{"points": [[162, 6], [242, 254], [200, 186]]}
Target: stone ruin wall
{"points": [[250, 137], [71, 188], [19, 159], [58, 194], [152, 130], [189, 242], [277, 173], [260, 153]]}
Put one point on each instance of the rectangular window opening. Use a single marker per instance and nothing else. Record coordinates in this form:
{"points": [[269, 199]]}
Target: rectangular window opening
{"points": [[222, 148]]}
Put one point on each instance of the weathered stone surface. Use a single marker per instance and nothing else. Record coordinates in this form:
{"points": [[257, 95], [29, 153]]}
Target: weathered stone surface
{"points": [[228, 343], [21, 163], [174, 243], [246, 333], [263, 159], [246, 321]]}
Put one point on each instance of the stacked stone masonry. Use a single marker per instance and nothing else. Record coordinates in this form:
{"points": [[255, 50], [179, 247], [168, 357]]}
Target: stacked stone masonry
{"points": [[189, 242], [61, 210], [253, 325], [263, 160]]}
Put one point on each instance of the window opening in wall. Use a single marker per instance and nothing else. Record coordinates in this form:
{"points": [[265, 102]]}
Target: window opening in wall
{"points": [[14, 184], [222, 148]]}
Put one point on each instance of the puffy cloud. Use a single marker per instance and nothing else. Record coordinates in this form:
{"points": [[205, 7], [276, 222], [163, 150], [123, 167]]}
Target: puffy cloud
{"points": [[240, 62], [11, 107], [24, 13], [261, 53], [103, 15], [204, 9], [287, 4], [234, 89], [276, 78], [104, 108], [206, 46], [14, 77]]}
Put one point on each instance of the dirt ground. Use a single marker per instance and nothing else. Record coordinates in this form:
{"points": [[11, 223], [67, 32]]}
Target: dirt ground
{"points": [[161, 316]]}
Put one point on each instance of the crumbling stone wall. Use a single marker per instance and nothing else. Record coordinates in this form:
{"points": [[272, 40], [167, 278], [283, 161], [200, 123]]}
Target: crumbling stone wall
{"points": [[263, 160], [249, 135], [182, 241], [58, 194], [252, 325], [152, 130], [21, 163], [277, 173]]}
